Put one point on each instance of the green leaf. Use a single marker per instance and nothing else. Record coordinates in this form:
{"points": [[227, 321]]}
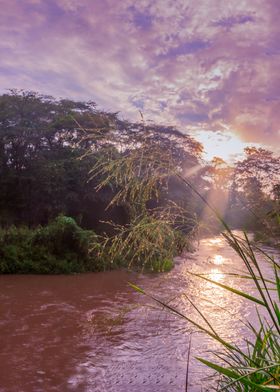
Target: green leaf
{"points": [[277, 311], [235, 291], [277, 281], [233, 375], [136, 288]]}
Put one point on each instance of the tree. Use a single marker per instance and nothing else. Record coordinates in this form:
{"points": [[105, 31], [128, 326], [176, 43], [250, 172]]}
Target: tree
{"points": [[261, 165], [41, 174], [254, 181]]}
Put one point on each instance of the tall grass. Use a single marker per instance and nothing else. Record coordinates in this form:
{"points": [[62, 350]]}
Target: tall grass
{"points": [[139, 172], [257, 367], [149, 241]]}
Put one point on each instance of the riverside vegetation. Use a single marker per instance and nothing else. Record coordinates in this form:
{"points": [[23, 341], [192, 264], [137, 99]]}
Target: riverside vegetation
{"points": [[60, 247], [130, 187], [121, 203], [257, 367], [122, 184]]}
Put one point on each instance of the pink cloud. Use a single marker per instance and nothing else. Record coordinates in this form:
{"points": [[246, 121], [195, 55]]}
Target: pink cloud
{"points": [[198, 65]]}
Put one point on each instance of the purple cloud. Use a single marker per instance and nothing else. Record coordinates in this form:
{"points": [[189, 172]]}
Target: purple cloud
{"points": [[185, 48], [231, 21], [143, 20], [175, 60]]}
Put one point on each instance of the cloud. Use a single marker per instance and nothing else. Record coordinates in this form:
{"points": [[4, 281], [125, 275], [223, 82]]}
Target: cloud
{"points": [[231, 21], [199, 65]]}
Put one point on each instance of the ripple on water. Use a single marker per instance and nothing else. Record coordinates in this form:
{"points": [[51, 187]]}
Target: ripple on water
{"points": [[92, 332]]}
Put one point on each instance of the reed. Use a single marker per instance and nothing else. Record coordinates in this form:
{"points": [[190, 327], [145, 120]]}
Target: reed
{"points": [[149, 241], [257, 367]]}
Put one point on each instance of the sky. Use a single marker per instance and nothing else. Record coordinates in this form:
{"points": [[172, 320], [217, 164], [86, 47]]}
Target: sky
{"points": [[208, 67]]}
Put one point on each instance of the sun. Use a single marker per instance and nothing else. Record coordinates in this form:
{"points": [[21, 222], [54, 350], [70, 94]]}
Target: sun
{"points": [[227, 146]]}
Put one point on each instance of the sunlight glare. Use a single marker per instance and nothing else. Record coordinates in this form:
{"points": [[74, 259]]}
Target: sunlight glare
{"points": [[218, 259], [225, 145], [216, 275], [215, 241]]}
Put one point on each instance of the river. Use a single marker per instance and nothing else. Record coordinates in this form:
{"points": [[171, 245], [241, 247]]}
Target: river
{"points": [[94, 333]]}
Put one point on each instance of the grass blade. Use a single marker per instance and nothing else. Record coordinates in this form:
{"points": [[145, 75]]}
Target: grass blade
{"points": [[235, 291]]}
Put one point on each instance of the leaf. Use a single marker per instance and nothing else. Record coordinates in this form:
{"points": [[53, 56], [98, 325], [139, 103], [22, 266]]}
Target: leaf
{"points": [[136, 288], [233, 375], [235, 291]]}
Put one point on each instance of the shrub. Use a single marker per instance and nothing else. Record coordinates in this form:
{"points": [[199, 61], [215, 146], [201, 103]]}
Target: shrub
{"points": [[60, 247]]}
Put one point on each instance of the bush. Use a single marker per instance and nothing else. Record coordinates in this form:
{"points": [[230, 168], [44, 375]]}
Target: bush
{"points": [[60, 247], [64, 247]]}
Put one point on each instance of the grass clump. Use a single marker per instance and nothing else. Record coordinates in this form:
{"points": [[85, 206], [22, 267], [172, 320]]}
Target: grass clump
{"points": [[149, 242], [256, 368], [164, 265], [139, 163]]}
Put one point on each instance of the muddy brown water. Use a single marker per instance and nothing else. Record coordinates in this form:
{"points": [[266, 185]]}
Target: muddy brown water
{"points": [[93, 333]]}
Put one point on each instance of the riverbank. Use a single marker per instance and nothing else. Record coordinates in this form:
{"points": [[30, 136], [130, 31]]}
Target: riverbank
{"points": [[263, 238], [63, 247]]}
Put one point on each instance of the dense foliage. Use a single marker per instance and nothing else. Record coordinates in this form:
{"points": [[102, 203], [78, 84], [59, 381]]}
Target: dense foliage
{"points": [[65, 157], [41, 173], [60, 247], [120, 179]]}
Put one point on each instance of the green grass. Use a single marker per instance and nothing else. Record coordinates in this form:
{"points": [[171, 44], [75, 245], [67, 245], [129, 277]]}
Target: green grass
{"points": [[256, 368], [149, 242], [62, 247]]}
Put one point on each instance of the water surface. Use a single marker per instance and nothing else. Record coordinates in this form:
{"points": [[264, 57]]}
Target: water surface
{"points": [[93, 333]]}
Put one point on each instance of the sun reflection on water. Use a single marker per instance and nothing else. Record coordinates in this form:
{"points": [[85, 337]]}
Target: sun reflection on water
{"points": [[216, 275], [218, 259], [214, 241]]}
